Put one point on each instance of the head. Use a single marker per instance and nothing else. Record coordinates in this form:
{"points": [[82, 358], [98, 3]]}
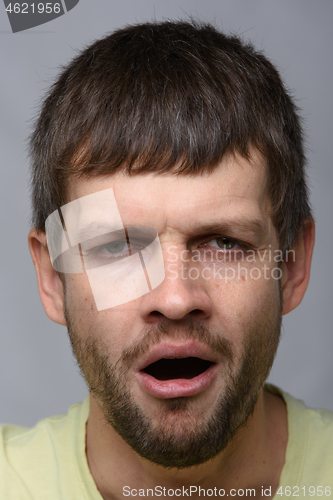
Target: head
{"points": [[199, 140]]}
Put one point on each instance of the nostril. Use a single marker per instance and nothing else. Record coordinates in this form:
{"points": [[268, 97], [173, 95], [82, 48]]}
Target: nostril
{"points": [[196, 311]]}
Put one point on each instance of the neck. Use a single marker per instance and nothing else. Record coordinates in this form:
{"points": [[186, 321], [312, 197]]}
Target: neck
{"points": [[253, 459]]}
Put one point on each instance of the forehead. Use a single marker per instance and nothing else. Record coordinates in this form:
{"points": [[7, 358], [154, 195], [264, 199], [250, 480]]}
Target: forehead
{"points": [[237, 187]]}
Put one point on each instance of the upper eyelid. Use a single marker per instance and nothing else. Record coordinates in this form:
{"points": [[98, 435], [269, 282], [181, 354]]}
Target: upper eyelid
{"points": [[206, 239], [130, 244], [223, 238], [252, 232], [237, 242], [103, 245], [99, 246]]}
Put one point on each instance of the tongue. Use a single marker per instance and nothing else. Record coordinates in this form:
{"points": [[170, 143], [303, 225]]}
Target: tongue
{"points": [[166, 369]]}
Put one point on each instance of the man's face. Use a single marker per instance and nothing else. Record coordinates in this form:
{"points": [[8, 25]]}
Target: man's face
{"points": [[178, 370]]}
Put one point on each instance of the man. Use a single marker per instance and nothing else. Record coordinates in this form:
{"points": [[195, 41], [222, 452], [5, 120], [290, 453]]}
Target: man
{"points": [[171, 232]]}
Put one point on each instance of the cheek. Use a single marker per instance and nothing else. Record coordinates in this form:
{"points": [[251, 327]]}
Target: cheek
{"points": [[240, 304], [112, 326], [78, 295]]}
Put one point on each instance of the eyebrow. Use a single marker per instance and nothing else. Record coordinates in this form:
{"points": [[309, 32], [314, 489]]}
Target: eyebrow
{"points": [[96, 229], [88, 232]]}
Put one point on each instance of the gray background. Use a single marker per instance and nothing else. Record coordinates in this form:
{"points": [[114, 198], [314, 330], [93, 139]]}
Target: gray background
{"points": [[37, 374]]}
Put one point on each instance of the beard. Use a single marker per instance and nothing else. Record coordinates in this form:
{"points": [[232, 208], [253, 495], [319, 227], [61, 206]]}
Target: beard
{"points": [[179, 440]]}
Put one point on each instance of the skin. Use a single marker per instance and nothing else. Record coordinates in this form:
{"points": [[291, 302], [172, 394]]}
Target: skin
{"points": [[237, 188]]}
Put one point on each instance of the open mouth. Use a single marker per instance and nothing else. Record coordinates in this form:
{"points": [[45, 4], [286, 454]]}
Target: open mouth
{"points": [[177, 368]]}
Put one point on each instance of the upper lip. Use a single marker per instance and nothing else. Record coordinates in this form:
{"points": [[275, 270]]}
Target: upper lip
{"points": [[172, 350]]}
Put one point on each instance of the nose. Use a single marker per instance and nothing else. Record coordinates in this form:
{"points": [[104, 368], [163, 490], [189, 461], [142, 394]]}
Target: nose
{"points": [[179, 295]]}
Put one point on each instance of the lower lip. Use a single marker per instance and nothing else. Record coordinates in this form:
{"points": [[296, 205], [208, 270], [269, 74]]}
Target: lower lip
{"points": [[176, 388]]}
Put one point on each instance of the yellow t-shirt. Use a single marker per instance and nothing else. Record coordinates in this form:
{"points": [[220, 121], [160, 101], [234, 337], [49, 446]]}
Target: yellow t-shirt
{"points": [[48, 462]]}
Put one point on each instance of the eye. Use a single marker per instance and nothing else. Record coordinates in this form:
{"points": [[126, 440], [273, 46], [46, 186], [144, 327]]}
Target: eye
{"points": [[115, 247], [223, 243]]}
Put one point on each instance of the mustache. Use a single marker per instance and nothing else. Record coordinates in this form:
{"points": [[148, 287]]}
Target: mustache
{"points": [[168, 330]]}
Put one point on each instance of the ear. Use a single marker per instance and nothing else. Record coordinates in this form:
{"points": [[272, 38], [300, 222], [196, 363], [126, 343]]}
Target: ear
{"points": [[296, 269], [49, 284]]}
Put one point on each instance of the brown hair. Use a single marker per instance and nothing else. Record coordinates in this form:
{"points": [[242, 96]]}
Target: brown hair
{"points": [[169, 97]]}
